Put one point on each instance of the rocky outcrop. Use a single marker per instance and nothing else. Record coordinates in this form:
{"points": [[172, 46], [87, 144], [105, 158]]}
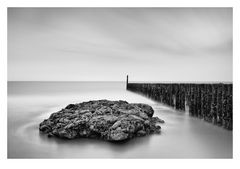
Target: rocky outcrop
{"points": [[104, 119]]}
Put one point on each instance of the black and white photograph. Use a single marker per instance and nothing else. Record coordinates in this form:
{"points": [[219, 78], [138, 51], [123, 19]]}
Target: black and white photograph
{"points": [[116, 84], [139, 82]]}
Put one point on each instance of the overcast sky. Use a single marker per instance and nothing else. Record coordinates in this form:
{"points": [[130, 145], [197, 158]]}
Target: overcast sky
{"points": [[106, 44]]}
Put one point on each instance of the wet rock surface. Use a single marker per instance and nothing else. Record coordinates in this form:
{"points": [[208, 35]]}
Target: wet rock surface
{"points": [[102, 119]]}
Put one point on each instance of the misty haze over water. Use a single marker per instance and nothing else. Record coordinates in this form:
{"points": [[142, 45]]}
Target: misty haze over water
{"points": [[181, 136]]}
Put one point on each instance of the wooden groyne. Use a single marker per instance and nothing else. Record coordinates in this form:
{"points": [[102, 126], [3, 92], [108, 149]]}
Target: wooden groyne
{"points": [[211, 102]]}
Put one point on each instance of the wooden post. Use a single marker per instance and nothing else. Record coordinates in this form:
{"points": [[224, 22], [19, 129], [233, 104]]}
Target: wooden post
{"points": [[127, 82]]}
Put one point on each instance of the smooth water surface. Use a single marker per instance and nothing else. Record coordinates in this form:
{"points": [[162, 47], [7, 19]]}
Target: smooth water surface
{"points": [[29, 103]]}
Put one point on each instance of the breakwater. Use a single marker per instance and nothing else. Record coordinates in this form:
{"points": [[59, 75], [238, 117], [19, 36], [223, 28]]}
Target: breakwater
{"points": [[211, 102]]}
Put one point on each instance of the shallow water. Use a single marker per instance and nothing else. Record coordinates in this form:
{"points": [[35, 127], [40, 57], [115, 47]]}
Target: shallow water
{"points": [[181, 136]]}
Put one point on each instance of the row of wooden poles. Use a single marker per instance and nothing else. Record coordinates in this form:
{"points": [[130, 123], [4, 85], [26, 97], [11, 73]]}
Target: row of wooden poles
{"points": [[211, 102]]}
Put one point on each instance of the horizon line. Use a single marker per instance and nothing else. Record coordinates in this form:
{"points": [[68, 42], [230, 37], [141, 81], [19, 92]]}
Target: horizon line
{"points": [[134, 81]]}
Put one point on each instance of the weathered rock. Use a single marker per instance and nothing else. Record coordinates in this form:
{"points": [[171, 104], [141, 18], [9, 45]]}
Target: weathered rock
{"points": [[104, 119]]}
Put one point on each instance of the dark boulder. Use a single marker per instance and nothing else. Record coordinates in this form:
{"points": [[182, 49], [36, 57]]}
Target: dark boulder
{"points": [[104, 119]]}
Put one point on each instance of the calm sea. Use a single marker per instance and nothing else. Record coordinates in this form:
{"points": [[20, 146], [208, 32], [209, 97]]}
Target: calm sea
{"points": [[29, 103]]}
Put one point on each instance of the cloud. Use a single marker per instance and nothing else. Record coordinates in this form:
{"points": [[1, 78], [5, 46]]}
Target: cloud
{"points": [[120, 39]]}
